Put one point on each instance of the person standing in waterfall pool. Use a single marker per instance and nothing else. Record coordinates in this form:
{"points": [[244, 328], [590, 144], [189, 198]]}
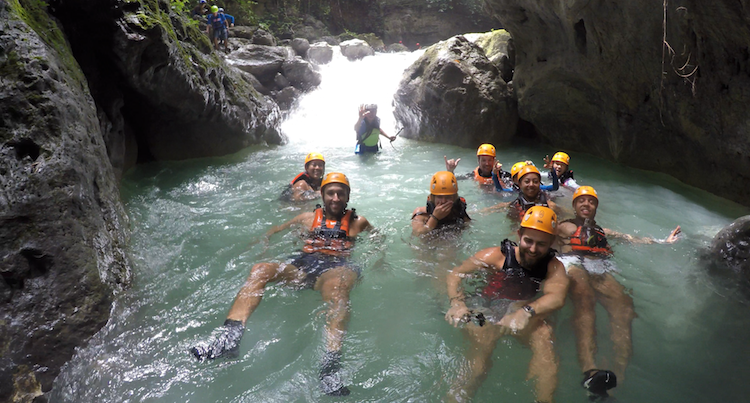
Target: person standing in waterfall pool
{"points": [[508, 304], [323, 265], [445, 208], [306, 185], [586, 255], [368, 130]]}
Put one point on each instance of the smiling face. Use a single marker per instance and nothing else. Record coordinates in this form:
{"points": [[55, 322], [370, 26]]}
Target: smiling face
{"points": [[315, 169], [559, 167], [585, 206], [486, 162], [533, 245], [335, 198], [529, 185]]}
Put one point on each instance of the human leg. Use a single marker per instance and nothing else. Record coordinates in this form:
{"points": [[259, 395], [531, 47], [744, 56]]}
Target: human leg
{"points": [[482, 343], [228, 341], [584, 316], [544, 363], [619, 305], [335, 285]]}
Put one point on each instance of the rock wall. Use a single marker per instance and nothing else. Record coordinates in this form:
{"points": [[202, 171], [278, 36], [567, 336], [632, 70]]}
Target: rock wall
{"points": [[454, 94], [161, 91], [664, 91], [62, 227]]}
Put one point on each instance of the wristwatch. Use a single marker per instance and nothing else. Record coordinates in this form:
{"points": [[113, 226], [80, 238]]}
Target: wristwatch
{"points": [[530, 310]]}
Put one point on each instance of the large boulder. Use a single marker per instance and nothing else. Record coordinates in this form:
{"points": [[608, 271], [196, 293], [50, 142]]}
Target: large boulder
{"points": [[320, 53], [498, 47], [261, 61], [63, 230], [625, 81], [301, 74], [355, 49], [731, 246], [300, 46], [453, 94], [262, 37]]}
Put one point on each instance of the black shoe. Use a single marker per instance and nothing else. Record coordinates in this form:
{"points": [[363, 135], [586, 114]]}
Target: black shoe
{"points": [[598, 381], [227, 344], [330, 378]]}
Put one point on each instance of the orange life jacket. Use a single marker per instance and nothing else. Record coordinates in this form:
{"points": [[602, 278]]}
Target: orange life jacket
{"points": [[589, 240], [483, 180], [330, 237]]}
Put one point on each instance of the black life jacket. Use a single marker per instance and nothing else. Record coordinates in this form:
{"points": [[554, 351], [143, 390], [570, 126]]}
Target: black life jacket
{"points": [[520, 205], [513, 281], [565, 176], [457, 216], [589, 239]]}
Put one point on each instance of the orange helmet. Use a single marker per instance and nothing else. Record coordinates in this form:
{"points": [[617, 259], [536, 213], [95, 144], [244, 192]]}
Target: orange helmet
{"points": [[528, 169], [313, 156], [561, 157], [335, 177], [517, 168], [443, 183], [486, 149], [540, 218], [585, 191]]}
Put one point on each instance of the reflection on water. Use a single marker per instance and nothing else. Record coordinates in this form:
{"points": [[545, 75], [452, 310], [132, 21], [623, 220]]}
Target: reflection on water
{"points": [[194, 222]]}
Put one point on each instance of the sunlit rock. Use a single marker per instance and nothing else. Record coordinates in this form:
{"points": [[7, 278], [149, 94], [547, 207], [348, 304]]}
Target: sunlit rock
{"points": [[300, 46], [320, 53], [454, 94], [355, 49], [301, 74]]}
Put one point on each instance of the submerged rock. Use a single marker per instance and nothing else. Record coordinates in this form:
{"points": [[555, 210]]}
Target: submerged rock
{"points": [[731, 245], [453, 94]]}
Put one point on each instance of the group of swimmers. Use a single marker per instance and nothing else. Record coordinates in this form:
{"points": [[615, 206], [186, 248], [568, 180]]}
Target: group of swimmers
{"points": [[527, 280]]}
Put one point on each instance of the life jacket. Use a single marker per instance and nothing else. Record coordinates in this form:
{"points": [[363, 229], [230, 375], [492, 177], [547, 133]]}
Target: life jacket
{"points": [[303, 176], [520, 205], [330, 237], [565, 176], [483, 180], [589, 239], [218, 21], [457, 216], [513, 281]]}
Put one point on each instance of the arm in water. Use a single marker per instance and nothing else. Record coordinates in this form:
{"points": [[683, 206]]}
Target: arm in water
{"points": [[672, 238]]}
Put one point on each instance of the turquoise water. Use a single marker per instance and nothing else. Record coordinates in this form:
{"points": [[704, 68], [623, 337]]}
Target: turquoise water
{"points": [[193, 223]]}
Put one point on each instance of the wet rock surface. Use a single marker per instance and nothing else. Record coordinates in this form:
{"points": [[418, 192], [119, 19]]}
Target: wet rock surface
{"points": [[355, 49], [599, 78], [63, 229], [454, 94], [731, 246]]}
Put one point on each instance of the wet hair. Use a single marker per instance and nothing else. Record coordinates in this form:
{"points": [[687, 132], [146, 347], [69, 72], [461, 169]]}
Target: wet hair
{"points": [[371, 107]]}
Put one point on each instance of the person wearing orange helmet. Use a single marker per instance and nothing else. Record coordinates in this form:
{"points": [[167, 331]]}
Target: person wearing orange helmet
{"points": [[322, 265], [509, 303], [306, 185], [530, 193], [483, 172], [508, 181], [559, 165], [444, 206], [586, 255]]}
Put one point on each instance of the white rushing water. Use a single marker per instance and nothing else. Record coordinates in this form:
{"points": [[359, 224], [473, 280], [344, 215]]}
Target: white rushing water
{"points": [[193, 222]]}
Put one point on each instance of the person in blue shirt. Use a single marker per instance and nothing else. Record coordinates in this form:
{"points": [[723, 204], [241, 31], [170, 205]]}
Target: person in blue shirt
{"points": [[230, 19], [218, 23]]}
